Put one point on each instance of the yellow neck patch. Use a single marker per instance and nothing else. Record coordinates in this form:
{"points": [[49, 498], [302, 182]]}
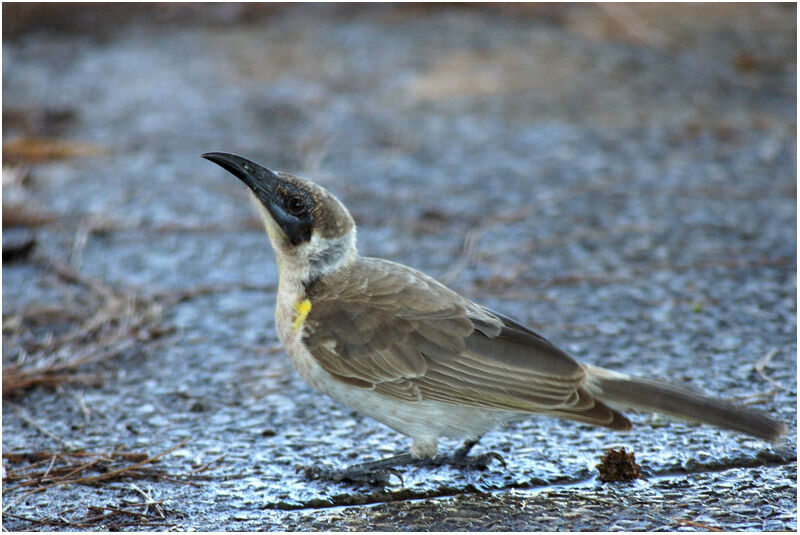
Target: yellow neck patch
{"points": [[301, 310]]}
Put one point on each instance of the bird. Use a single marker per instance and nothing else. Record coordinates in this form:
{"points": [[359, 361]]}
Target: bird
{"points": [[400, 347]]}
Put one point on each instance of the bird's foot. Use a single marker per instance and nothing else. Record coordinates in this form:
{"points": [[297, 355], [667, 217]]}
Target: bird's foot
{"points": [[378, 476], [479, 462], [377, 472], [381, 471], [461, 458]]}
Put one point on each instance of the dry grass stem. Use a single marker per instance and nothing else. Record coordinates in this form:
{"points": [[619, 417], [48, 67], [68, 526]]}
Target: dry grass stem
{"points": [[507, 286], [762, 363], [693, 524], [51, 345], [635, 25], [43, 470], [24, 416], [37, 149], [47, 346]]}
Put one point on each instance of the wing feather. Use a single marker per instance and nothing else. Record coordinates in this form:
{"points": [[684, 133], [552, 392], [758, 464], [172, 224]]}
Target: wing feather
{"points": [[388, 327]]}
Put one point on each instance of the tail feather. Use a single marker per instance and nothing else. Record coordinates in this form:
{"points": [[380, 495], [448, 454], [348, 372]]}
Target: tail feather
{"points": [[622, 391]]}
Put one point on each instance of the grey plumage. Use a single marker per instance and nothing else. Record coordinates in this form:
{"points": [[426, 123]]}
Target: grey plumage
{"points": [[406, 350], [657, 396], [403, 334]]}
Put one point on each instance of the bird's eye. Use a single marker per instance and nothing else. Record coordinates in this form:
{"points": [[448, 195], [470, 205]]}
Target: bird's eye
{"points": [[296, 205]]}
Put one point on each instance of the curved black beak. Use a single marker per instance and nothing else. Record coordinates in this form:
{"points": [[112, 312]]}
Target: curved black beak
{"points": [[269, 189], [259, 179]]}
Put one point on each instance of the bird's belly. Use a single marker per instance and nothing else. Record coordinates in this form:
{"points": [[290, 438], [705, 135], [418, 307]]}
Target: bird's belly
{"points": [[422, 419]]}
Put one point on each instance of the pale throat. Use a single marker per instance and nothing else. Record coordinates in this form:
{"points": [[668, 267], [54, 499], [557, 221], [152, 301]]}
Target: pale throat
{"points": [[300, 266], [273, 231]]}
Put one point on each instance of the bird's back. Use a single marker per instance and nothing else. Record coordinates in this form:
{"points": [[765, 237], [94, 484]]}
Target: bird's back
{"points": [[390, 328]]}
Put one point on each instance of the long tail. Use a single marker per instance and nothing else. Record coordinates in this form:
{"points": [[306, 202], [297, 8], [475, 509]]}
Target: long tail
{"points": [[622, 391]]}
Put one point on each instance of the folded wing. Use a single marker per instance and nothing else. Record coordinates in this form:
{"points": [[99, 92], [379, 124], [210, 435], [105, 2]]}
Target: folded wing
{"points": [[392, 329]]}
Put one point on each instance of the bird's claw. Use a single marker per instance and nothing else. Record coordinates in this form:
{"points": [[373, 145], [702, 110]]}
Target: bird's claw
{"points": [[493, 455], [379, 476], [481, 462]]}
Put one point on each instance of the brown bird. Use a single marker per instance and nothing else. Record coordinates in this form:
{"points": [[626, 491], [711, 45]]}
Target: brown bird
{"points": [[400, 347]]}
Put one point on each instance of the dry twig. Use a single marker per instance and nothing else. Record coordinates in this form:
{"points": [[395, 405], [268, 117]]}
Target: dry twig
{"points": [[635, 25], [46, 469], [34, 149], [762, 363], [23, 414], [109, 322], [47, 346], [697, 525]]}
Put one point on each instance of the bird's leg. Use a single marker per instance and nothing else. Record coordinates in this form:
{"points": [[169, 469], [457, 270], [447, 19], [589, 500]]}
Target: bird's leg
{"points": [[465, 448], [379, 471], [461, 459]]}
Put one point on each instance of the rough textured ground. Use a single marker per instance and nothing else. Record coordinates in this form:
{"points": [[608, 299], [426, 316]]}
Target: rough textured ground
{"points": [[622, 179]]}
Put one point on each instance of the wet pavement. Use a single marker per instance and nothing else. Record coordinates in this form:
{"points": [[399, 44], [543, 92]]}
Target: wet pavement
{"points": [[623, 181]]}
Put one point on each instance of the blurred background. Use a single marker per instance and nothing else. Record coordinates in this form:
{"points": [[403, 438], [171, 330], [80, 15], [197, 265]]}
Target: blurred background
{"points": [[621, 177]]}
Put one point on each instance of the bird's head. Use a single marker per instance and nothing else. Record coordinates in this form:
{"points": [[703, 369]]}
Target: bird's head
{"points": [[306, 223]]}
